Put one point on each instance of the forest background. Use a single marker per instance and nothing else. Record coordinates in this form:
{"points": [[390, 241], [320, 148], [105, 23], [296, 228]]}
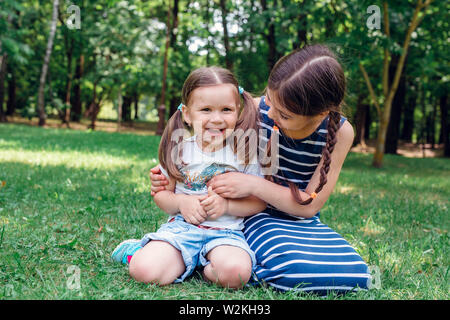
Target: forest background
{"points": [[126, 60]]}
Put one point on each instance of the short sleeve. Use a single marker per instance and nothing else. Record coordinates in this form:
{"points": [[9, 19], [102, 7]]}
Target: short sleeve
{"points": [[253, 169], [164, 172]]}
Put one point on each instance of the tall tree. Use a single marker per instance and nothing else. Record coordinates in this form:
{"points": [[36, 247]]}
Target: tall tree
{"points": [[408, 114], [393, 131], [3, 69], [270, 35], [445, 121], [48, 52], [12, 88], [3, 65], [69, 42], [76, 104], [162, 105], [389, 89], [226, 37]]}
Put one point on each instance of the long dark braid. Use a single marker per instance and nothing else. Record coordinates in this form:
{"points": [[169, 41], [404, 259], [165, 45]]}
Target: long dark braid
{"points": [[332, 128]]}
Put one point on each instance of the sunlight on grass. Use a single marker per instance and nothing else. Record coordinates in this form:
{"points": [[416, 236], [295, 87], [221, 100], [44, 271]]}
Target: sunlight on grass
{"points": [[69, 159], [371, 228], [8, 144], [344, 189]]}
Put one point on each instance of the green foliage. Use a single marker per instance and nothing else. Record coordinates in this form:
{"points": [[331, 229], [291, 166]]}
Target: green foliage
{"points": [[122, 43]]}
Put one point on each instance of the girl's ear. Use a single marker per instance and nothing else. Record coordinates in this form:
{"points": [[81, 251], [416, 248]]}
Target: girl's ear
{"points": [[185, 115]]}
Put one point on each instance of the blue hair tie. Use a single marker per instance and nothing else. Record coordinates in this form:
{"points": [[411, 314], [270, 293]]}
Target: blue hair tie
{"points": [[241, 90], [180, 107]]}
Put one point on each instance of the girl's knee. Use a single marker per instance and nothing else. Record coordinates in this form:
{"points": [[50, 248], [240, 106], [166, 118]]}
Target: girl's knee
{"points": [[158, 262], [142, 271], [237, 275], [233, 273], [148, 272]]}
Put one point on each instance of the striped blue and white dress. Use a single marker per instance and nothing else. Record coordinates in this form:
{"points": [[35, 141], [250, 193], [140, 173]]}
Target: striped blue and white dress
{"points": [[301, 254]]}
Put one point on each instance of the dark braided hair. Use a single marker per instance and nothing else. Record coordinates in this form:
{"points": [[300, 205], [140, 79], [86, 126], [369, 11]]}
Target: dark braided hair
{"points": [[308, 82]]}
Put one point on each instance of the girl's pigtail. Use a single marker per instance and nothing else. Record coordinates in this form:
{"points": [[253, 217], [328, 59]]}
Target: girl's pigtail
{"points": [[247, 128], [169, 152], [334, 120]]}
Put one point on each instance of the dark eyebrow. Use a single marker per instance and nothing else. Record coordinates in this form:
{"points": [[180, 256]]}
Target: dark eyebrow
{"points": [[284, 114]]}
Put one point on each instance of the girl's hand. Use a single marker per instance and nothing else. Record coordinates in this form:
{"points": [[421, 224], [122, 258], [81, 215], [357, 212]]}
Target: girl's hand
{"points": [[233, 184], [158, 181], [191, 209], [213, 204]]}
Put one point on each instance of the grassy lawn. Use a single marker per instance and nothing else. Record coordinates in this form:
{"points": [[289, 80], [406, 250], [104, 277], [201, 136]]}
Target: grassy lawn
{"points": [[68, 197]]}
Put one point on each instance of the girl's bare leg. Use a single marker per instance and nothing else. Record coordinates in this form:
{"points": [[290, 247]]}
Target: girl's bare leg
{"points": [[157, 262], [229, 266]]}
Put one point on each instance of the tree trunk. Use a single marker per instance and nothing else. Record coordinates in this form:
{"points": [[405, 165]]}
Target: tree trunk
{"points": [[270, 37], [173, 34], [88, 112], [173, 105], [360, 123], [368, 123], [408, 114], [69, 50], [396, 111], [226, 40], [119, 108], [173, 92], [12, 89], [389, 90], [136, 105], [445, 121], [431, 126], [76, 105], [94, 107], [3, 65], [208, 42], [302, 28], [301, 40], [48, 52], [126, 107], [162, 106]]}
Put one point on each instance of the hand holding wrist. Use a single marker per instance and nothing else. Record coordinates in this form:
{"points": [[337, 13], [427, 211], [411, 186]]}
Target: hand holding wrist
{"points": [[179, 198]]}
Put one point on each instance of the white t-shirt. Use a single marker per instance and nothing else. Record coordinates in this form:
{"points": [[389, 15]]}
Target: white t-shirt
{"points": [[203, 166]]}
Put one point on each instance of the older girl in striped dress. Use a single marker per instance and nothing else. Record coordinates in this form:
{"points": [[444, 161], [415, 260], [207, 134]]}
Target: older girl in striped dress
{"points": [[302, 110]]}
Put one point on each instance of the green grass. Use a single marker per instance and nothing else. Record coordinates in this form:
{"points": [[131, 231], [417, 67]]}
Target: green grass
{"points": [[71, 196]]}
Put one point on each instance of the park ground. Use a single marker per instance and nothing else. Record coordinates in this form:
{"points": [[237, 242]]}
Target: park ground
{"points": [[68, 197]]}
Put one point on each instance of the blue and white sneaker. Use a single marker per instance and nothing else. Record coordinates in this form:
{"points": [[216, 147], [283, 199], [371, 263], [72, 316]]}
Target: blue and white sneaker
{"points": [[125, 250]]}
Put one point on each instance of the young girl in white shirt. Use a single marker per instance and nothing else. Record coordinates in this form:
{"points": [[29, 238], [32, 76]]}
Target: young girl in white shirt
{"points": [[204, 138]]}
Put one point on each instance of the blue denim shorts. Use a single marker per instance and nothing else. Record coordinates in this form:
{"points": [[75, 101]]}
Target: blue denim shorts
{"points": [[194, 243]]}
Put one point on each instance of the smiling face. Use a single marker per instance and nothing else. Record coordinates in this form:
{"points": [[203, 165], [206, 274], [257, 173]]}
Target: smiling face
{"points": [[212, 112]]}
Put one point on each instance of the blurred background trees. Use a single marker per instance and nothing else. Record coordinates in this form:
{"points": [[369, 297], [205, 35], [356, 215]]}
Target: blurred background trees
{"points": [[131, 58]]}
